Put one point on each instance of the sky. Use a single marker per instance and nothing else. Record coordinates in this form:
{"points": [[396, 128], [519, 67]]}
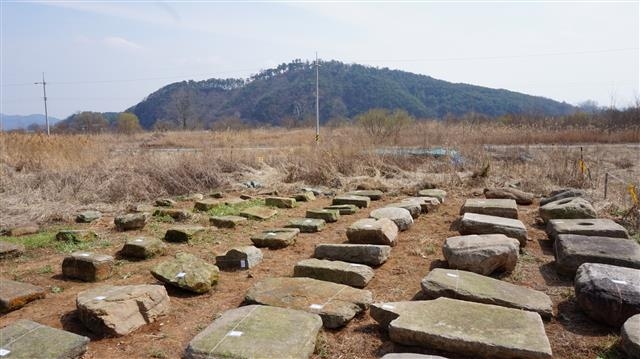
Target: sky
{"points": [[108, 56]]}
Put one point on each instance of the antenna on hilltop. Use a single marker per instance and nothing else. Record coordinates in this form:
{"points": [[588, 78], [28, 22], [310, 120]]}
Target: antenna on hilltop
{"points": [[317, 101], [44, 90]]}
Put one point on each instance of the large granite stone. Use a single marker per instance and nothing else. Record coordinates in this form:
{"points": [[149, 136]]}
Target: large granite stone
{"points": [[24, 230], [400, 216], [183, 234], [368, 254], [373, 194], [482, 254], [607, 293], [227, 221], [188, 272], [344, 209], [15, 295], [131, 221], [10, 250], [567, 208], [259, 213], [427, 204], [306, 225], [206, 204], [76, 235], [492, 207], [353, 274], [336, 303], [630, 337], [275, 238], [474, 287], [142, 248], [521, 197], [177, 214], [88, 267], [573, 250], [358, 201], [473, 223], [305, 196], [328, 215], [25, 339], [473, 329], [413, 206], [119, 310], [88, 216], [241, 258], [280, 202], [257, 331], [586, 227], [434, 192], [561, 194], [371, 231]]}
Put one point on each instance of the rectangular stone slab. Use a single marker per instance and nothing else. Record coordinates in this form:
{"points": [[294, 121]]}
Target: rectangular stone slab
{"points": [[257, 331], [355, 275], [15, 295], [572, 250], [88, 267], [473, 329], [369, 254], [336, 303], [280, 202], [492, 207], [587, 227], [10, 250], [275, 238], [28, 339], [226, 221], [358, 201], [469, 286], [344, 209], [307, 225], [260, 213], [328, 215], [473, 223]]}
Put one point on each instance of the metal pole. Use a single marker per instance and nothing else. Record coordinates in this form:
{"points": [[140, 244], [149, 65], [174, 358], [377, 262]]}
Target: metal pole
{"points": [[44, 90], [317, 101], [606, 184]]}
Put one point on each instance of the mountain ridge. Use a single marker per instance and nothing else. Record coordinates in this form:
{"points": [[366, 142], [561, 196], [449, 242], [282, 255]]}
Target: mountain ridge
{"points": [[288, 92]]}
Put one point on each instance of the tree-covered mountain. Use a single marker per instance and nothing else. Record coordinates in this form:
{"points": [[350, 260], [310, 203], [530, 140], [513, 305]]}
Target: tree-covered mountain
{"points": [[287, 93]]}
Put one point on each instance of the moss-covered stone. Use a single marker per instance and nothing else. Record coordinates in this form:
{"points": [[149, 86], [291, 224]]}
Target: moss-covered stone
{"points": [[27, 339], [188, 272]]}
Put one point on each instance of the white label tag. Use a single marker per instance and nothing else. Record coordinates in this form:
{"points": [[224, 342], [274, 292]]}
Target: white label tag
{"points": [[100, 297], [316, 306], [242, 263], [452, 275], [559, 221], [139, 240], [84, 254], [234, 333], [4, 352], [181, 275], [387, 306], [308, 221], [368, 226], [355, 265], [616, 281], [271, 234]]}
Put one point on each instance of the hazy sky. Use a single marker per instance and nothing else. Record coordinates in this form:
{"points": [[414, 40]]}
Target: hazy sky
{"points": [[107, 56]]}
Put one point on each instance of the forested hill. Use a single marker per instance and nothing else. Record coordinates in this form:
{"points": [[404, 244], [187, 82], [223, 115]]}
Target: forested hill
{"points": [[287, 93]]}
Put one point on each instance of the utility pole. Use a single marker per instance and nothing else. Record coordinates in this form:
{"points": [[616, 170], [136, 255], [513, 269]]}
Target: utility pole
{"points": [[44, 90], [317, 101]]}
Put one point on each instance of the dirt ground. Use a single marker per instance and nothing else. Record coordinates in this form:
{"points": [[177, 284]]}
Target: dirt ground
{"points": [[572, 335]]}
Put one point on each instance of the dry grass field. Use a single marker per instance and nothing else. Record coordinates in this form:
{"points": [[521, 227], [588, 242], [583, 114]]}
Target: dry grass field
{"points": [[48, 180]]}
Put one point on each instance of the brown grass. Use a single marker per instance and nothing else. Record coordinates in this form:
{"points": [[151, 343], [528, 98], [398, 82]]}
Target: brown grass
{"points": [[45, 178]]}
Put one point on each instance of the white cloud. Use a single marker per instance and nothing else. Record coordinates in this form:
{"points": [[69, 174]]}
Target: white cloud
{"points": [[121, 43]]}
